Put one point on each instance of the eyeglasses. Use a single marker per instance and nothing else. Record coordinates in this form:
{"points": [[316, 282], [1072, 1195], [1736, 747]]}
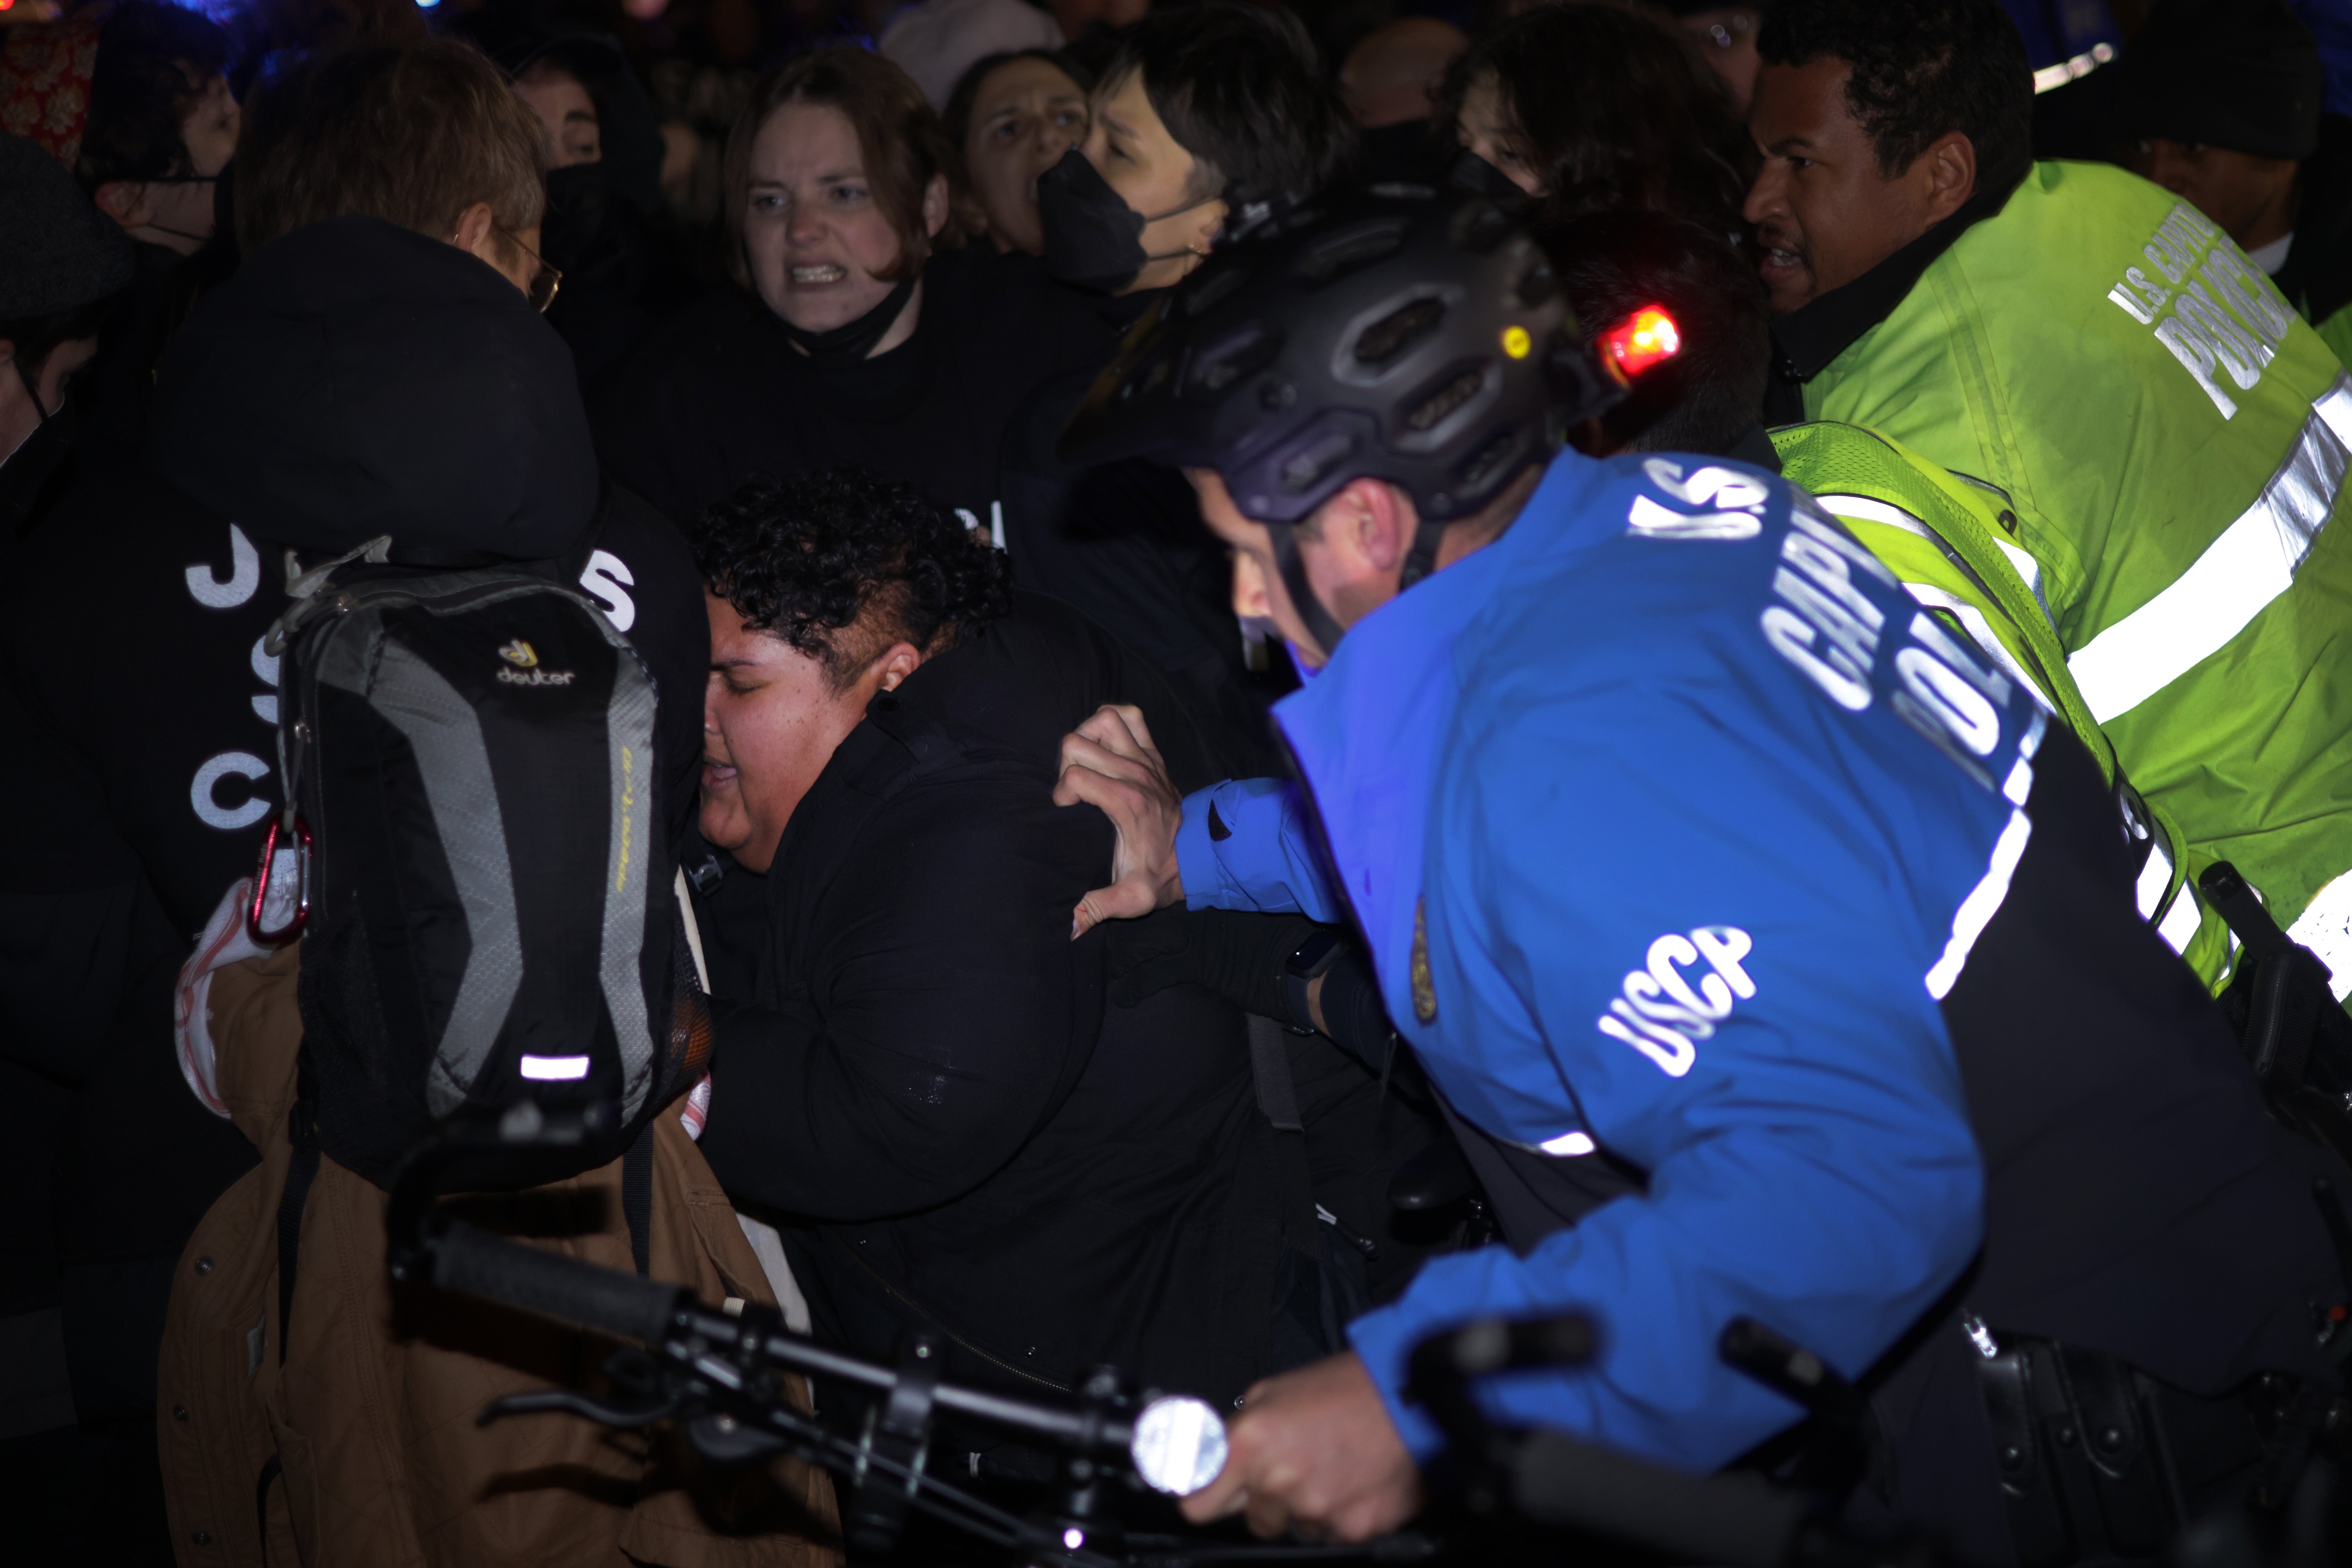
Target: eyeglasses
{"points": [[541, 291]]}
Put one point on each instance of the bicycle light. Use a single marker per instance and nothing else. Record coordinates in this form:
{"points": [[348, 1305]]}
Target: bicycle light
{"points": [[1179, 1444], [1646, 337]]}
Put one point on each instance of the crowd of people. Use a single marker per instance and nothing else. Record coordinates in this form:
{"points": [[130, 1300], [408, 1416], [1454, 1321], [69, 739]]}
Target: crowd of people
{"points": [[1198, 609]]}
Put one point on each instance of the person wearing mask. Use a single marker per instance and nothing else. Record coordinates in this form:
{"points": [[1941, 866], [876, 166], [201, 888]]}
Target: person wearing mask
{"points": [[962, 1119], [375, 367], [1772, 959], [863, 331], [163, 123], [1012, 117], [603, 157], [2222, 105], [1590, 105], [2161, 432], [1391, 80], [1210, 115], [163, 126]]}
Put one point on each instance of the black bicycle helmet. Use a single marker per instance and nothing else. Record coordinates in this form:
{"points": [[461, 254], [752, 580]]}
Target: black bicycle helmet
{"points": [[1397, 333]]}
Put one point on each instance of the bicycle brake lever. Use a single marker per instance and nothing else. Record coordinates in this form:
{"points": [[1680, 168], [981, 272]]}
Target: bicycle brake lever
{"points": [[578, 1404]]}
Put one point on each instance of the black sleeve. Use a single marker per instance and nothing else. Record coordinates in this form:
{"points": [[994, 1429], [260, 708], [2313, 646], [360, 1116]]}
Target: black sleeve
{"points": [[934, 1013]]}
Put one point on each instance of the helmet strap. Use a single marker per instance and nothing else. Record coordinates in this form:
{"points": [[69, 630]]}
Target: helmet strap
{"points": [[1321, 625], [1419, 563], [1422, 560]]}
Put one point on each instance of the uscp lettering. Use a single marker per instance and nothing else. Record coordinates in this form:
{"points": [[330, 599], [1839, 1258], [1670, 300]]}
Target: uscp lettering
{"points": [[1737, 501], [1664, 1016]]}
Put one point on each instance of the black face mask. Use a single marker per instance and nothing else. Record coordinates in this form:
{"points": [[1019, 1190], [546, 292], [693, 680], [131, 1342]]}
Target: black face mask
{"points": [[1093, 238], [575, 214], [851, 340]]}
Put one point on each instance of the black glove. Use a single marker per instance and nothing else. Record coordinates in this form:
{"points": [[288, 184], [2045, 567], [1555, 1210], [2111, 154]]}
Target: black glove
{"points": [[1237, 955]]}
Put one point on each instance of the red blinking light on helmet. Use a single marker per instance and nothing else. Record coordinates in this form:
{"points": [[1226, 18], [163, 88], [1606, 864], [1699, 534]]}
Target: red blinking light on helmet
{"points": [[1645, 339]]}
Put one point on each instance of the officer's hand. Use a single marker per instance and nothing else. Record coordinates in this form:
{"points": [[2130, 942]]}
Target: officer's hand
{"points": [[1109, 762], [1314, 1450]]}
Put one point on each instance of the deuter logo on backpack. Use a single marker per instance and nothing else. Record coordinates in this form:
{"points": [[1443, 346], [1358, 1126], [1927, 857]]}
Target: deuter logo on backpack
{"points": [[526, 671], [490, 915]]}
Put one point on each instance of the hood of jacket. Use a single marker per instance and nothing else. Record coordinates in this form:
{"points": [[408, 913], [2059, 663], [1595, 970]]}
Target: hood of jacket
{"points": [[356, 378]]}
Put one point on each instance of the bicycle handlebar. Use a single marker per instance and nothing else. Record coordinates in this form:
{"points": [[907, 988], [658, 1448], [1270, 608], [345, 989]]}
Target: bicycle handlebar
{"points": [[474, 1262], [1737, 1520]]}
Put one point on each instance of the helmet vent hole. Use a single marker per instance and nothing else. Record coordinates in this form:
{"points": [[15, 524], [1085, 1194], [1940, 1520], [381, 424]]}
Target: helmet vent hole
{"points": [[1433, 407], [1388, 338], [1345, 253]]}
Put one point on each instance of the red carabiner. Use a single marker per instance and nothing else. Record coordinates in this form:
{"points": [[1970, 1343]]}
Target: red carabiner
{"points": [[261, 877]]}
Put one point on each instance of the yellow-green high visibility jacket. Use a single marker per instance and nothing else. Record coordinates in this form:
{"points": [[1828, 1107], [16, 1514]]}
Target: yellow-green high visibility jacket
{"points": [[1950, 539], [2172, 442]]}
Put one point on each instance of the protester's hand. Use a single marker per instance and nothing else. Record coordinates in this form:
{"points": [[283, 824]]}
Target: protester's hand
{"points": [[1314, 1450], [1109, 762]]}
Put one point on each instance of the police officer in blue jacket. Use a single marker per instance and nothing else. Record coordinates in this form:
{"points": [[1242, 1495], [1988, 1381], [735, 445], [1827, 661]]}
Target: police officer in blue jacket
{"points": [[1772, 952]]}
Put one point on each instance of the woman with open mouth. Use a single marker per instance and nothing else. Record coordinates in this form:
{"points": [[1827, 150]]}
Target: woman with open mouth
{"points": [[866, 330]]}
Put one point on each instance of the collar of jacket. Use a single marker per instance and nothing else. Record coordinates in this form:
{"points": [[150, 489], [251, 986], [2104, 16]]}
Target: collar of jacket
{"points": [[1369, 734], [1808, 338]]}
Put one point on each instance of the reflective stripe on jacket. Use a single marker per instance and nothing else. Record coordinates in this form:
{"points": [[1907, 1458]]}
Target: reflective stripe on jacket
{"points": [[1949, 540], [2174, 444]]}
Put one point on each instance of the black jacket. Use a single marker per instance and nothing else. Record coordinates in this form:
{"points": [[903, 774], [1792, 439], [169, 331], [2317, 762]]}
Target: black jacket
{"points": [[354, 379], [721, 394], [1124, 542], [953, 1128]]}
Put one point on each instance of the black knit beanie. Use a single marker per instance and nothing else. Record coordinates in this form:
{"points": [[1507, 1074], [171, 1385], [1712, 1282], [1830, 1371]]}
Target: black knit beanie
{"points": [[2238, 74]]}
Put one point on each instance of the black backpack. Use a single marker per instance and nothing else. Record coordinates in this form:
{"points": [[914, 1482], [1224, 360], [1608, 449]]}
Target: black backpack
{"points": [[485, 901]]}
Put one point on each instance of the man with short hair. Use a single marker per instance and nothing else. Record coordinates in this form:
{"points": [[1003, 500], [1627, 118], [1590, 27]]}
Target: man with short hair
{"points": [[2167, 444], [1774, 958]]}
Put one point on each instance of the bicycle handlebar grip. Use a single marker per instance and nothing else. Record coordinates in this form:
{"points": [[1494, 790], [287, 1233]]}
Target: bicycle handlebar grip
{"points": [[1734, 1520], [472, 1261]]}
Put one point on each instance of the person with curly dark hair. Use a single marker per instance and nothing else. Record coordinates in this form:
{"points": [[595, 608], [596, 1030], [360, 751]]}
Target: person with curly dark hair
{"points": [[1592, 105], [826, 590], [930, 1099]]}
